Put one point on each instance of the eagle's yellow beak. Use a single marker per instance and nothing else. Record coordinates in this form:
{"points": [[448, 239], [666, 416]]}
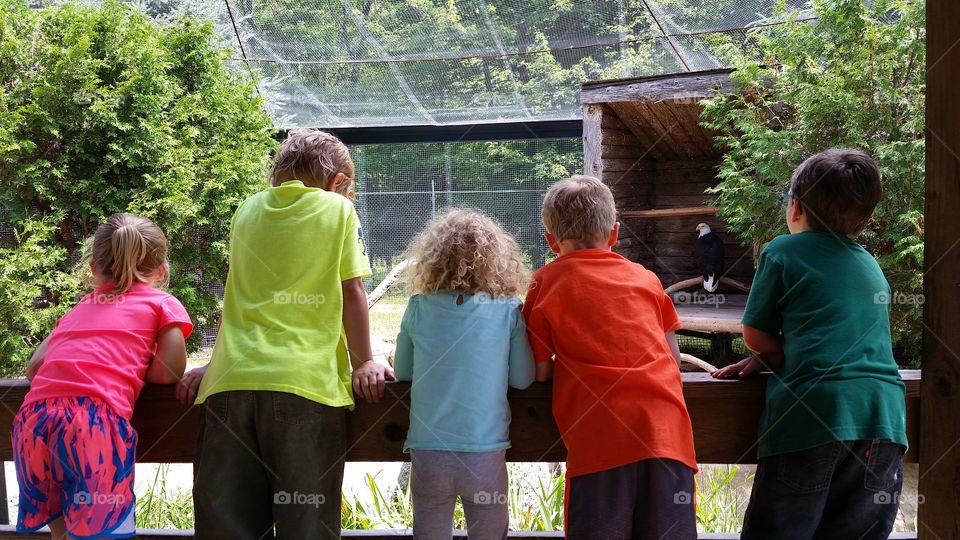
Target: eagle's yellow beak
{"points": [[698, 228]]}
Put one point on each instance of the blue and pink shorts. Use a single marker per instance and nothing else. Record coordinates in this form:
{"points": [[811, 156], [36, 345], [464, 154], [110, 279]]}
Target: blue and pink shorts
{"points": [[75, 458]]}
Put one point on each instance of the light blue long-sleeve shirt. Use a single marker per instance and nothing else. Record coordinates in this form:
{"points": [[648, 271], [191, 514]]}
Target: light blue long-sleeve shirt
{"points": [[461, 358]]}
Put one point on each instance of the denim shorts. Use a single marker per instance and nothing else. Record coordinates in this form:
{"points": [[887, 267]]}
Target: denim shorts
{"points": [[844, 489], [269, 465]]}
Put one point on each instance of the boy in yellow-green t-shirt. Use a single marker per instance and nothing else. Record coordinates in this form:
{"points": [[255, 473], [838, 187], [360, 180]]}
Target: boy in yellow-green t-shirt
{"points": [[279, 381]]}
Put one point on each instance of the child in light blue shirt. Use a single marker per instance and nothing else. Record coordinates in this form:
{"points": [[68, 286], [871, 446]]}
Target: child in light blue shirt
{"points": [[462, 342]]}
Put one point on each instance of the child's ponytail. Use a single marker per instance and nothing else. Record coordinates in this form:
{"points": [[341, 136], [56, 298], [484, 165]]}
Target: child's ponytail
{"points": [[128, 249]]}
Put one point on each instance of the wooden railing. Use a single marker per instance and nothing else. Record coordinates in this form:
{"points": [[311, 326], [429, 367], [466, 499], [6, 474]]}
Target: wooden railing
{"points": [[725, 417]]}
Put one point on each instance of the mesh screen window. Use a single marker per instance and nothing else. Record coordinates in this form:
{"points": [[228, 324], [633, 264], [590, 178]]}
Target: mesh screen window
{"points": [[363, 63], [400, 187]]}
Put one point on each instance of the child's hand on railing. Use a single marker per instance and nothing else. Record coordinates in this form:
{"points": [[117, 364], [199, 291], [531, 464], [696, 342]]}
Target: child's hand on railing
{"points": [[742, 369], [189, 385], [369, 380]]}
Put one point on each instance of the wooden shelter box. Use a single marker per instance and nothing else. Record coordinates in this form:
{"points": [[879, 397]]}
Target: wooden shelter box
{"points": [[643, 138]]}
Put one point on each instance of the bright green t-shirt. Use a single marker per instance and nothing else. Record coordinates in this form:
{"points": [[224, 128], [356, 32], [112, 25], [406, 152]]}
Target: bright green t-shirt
{"points": [[829, 299], [291, 247]]}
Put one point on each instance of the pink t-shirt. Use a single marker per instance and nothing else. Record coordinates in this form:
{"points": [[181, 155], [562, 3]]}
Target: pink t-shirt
{"points": [[103, 346]]}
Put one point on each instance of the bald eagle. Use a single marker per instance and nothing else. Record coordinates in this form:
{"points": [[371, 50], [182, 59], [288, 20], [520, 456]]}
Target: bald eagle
{"points": [[709, 251]]}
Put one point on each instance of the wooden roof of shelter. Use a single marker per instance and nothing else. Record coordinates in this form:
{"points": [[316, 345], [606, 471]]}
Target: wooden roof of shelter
{"points": [[663, 112]]}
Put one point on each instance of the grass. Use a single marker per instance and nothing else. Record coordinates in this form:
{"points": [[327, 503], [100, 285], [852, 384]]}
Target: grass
{"points": [[164, 508], [535, 502], [722, 497], [385, 318]]}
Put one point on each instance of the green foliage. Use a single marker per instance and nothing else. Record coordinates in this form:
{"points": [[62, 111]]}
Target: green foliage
{"points": [[545, 513], [382, 511], [855, 78], [163, 505], [722, 497], [104, 110]]}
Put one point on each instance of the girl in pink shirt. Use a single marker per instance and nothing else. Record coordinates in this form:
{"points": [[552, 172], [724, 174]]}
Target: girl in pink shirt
{"points": [[74, 447]]}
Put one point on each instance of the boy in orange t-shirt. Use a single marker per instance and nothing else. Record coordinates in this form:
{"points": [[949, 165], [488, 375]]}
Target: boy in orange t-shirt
{"points": [[603, 328]]}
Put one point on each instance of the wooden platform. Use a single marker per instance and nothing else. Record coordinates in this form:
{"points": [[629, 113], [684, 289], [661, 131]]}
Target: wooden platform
{"points": [[708, 312]]}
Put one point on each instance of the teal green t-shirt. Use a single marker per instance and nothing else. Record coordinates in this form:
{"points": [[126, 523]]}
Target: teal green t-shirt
{"points": [[826, 295]]}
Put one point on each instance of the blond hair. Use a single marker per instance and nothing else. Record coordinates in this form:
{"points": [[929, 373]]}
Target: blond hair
{"points": [[465, 251], [313, 157], [127, 249], [579, 208]]}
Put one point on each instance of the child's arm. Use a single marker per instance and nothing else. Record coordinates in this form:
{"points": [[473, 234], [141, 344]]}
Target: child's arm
{"points": [[368, 376], [171, 357], [189, 385], [36, 360], [538, 333], [521, 367], [674, 347], [545, 371], [768, 348], [403, 356], [768, 354]]}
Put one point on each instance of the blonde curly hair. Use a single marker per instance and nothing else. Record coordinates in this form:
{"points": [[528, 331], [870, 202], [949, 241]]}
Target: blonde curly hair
{"points": [[465, 251]]}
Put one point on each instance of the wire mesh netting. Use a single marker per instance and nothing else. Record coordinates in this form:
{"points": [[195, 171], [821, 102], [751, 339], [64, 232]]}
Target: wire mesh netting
{"points": [[400, 187], [343, 63]]}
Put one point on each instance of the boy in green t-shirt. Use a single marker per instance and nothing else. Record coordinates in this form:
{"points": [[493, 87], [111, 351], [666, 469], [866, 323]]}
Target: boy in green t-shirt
{"points": [[832, 434], [279, 382]]}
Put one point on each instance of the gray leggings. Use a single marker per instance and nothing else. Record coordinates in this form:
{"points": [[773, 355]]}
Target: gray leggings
{"points": [[438, 477]]}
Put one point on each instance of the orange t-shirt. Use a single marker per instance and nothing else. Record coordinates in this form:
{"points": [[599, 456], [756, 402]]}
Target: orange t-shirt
{"points": [[617, 392]]}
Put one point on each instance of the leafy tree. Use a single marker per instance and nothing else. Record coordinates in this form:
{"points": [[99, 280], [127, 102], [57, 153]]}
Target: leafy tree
{"points": [[104, 110], [855, 78]]}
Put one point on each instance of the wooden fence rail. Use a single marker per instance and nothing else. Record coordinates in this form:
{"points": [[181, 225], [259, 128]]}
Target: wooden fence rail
{"points": [[725, 417]]}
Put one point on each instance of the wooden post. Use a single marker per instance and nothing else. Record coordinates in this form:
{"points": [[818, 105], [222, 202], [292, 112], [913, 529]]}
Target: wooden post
{"points": [[939, 517], [4, 511], [592, 140]]}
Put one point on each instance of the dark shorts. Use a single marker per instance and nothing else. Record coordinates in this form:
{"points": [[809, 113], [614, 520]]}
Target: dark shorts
{"points": [[845, 489], [269, 465], [649, 499]]}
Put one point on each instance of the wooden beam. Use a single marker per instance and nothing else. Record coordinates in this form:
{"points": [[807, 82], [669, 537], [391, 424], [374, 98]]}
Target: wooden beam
{"points": [[696, 282], [671, 212], [940, 421], [619, 137], [687, 86], [592, 140], [725, 417]]}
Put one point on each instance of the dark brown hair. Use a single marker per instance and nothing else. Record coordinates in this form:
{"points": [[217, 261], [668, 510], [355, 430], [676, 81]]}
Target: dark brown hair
{"points": [[838, 188]]}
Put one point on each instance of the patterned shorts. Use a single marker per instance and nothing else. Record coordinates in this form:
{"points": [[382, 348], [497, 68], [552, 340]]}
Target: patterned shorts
{"points": [[75, 458]]}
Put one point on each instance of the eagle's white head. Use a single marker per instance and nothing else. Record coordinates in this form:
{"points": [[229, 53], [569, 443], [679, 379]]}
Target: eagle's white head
{"points": [[704, 229]]}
